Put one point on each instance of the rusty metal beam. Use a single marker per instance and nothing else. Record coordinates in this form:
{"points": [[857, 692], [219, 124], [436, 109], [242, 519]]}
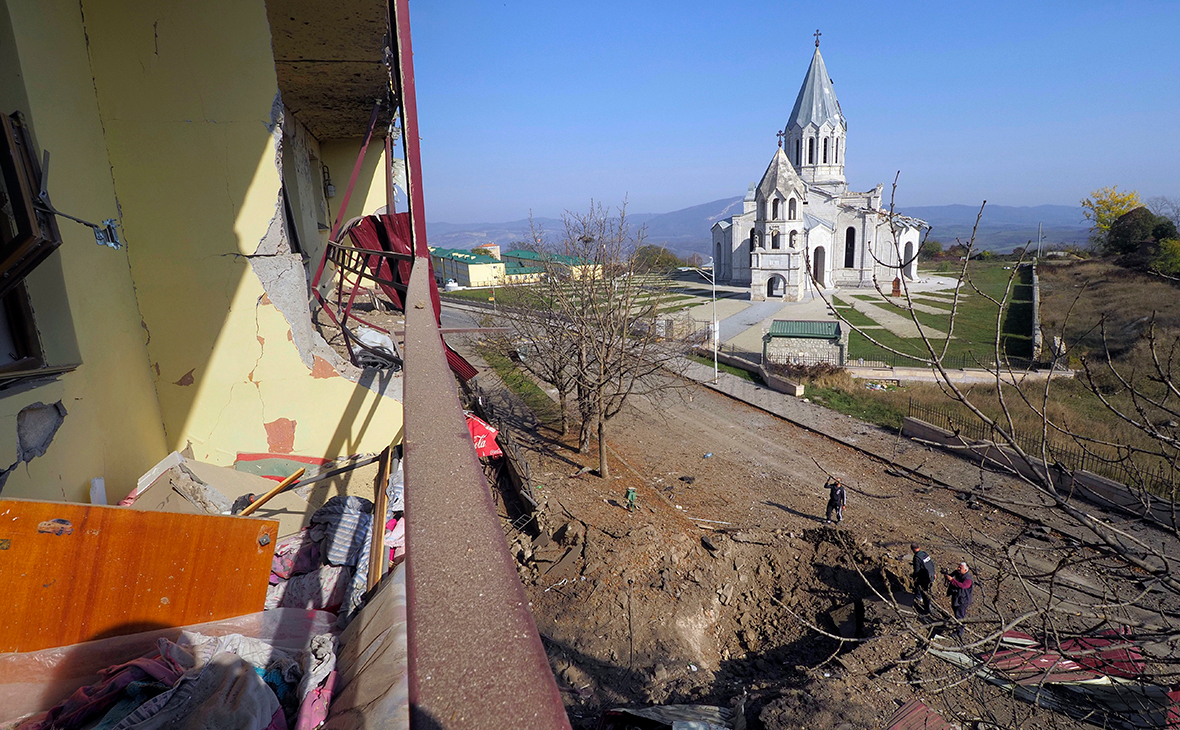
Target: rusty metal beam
{"points": [[403, 57], [475, 658]]}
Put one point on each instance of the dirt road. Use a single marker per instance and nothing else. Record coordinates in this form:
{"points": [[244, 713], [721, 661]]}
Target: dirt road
{"points": [[725, 583]]}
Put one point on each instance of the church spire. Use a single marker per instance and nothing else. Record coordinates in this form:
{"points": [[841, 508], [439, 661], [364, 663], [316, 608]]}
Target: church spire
{"points": [[816, 102], [815, 132]]}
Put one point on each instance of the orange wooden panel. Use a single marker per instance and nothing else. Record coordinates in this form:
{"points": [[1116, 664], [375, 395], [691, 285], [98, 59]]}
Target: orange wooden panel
{"points": [[76, 572]]}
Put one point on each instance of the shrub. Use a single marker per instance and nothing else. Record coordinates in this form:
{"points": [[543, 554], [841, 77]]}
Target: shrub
{"points": [[1167, 259]]}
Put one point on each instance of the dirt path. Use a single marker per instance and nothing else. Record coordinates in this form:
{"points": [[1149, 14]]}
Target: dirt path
{"points": [[713, 589]]}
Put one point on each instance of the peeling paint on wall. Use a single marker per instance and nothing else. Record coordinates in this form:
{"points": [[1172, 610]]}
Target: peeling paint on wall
{"points": [[323, 369], [36, 425], [280, 436], [187, 378], [284, 278]]}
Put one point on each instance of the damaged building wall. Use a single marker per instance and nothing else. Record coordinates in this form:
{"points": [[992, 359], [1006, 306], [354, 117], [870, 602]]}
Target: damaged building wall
{"points": [[304, 161], [187, 93], [369, 194], [303, 180], [83, 300]]}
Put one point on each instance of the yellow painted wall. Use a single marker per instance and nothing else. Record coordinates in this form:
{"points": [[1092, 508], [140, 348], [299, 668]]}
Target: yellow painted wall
{"points": [[186, 92], [485, 274], [113, 427], [369, 194]]}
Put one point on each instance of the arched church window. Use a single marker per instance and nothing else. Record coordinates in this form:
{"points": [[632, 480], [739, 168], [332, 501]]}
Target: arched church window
{"points": [[850, 248], [791, 240], [811, 150], [774, 240], [791, 209], [836, 153], [825, 150], [774, 209], [753, 239], [798, 144]]}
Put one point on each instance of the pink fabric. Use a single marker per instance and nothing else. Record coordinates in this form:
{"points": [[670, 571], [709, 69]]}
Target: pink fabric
{"points": [[314, 708], [295, 554], [87, 702], [395, 537], [278, 722]]}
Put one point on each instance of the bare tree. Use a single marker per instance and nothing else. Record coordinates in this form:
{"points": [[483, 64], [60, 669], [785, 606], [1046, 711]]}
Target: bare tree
{"points": [[1167, 207], [1110, 572], [593, 322], [543, 343]]}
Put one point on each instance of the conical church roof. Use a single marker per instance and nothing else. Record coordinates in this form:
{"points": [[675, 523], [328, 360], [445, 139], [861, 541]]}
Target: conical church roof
{"points": [[816, 102], [780, 175]]}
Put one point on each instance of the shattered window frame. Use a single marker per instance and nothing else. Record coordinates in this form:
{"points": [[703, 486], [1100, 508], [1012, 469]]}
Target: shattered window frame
{"points": [[28, 235]]}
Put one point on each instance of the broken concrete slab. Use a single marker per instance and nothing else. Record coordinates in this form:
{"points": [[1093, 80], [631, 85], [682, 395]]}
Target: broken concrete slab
{"points": [[292, 512], [179, 484]]}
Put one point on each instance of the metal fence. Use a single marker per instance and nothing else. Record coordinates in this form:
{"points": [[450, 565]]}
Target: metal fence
{"points": [[1071, 457]]}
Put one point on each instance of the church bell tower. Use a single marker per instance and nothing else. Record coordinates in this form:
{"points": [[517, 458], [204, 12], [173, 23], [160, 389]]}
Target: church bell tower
{"points": [[815, 133]]}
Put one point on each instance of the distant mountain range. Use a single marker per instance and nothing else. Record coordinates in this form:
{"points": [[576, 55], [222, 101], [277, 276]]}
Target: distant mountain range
{"points": [[686, 231]]}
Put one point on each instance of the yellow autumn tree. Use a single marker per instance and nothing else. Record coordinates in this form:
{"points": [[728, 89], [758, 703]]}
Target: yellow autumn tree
{"points": [[1105, 205]]}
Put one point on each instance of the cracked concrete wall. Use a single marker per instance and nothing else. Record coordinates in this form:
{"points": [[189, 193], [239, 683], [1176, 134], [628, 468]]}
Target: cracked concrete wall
{"points": [[188, 98], [303, 180], [83, 297]]}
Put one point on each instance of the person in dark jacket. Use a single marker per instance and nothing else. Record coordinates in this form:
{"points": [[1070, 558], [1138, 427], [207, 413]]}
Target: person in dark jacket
{"points": [[960, 587], [923, 577], [837, 498]]}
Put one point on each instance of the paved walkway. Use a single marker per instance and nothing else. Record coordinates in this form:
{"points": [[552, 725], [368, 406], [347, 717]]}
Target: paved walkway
{"points": [[893, 319], [753, 315]]}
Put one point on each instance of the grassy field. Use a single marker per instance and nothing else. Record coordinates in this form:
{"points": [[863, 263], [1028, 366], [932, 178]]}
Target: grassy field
{"points": [[546, 411], [1076, 299], [973, 335]]}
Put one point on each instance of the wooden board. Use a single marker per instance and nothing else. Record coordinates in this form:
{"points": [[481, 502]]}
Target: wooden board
{"points": [[76, 572]]}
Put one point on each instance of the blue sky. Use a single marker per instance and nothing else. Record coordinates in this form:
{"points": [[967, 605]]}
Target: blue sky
{"points": [[544, 105]]}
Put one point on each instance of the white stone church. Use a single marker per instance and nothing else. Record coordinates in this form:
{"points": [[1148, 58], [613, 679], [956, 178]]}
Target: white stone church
{"points": [[803, 213]]}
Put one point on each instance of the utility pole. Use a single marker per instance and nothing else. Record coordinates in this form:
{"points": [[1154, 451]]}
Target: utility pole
{"points": [[1039, 239]]}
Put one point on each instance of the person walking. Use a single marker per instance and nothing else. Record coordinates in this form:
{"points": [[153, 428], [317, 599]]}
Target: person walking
{"points": [[923, 577], [837, 498], [960, 587]]}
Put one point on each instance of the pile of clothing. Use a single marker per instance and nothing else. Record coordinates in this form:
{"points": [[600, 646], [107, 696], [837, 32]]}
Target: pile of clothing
{"points": [[326, 566], [199, 681]]}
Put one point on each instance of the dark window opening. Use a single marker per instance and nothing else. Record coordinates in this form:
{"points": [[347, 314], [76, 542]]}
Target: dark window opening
{"points": [[791, 241], [850, 248], [292, 231], [791, 209], [28, 235], [774, 209], [774, 240], [825, 150], [836, 152], [811, 150], [798, 145]]}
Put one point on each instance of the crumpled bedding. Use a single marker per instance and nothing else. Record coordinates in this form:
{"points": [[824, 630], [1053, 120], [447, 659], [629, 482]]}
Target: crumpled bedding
{"points": [[225, 692], [204, 682]]}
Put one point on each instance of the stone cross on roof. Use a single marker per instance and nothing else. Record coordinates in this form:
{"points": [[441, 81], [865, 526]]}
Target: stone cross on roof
{"points": [[817, 35], [780, 134]]}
